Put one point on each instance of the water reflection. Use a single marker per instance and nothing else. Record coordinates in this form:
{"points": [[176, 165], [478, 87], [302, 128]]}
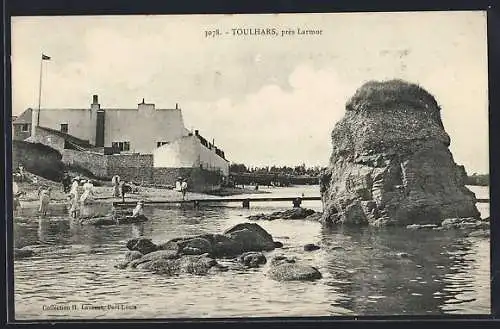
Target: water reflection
{"points": [[397, 271], [365, 271]]}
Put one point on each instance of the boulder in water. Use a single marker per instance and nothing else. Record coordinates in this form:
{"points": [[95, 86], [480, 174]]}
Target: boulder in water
{"points": [[23, 253], [252, 259], [286, 271], [143, 245], [294, 213], [311, 247], [390, 163]]}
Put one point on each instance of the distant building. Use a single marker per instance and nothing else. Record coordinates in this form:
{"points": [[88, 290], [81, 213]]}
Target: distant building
{"points": [[21, 125], [145, 131]]}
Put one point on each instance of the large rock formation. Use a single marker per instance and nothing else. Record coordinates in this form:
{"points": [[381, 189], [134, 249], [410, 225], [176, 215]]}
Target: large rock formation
{"points": [[390, 162]]}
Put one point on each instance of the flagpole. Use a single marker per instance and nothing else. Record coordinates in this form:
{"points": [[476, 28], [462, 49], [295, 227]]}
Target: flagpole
{"points": [[39, 92]]}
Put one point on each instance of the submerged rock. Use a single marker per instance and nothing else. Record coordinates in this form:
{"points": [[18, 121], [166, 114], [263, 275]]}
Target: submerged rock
{"points": [[390, 163], [311, 247], [281, 259], [464, 223], [23, 253], [98, 221], [191, 264]]}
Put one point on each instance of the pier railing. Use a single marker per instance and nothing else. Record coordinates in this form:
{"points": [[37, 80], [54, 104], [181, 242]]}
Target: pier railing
{"points": [[245, 202]]}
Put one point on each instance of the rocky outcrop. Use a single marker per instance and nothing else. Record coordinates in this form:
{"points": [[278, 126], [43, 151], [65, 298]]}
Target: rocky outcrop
{"points": [[390, 163], [192, 254], [294, 213]]}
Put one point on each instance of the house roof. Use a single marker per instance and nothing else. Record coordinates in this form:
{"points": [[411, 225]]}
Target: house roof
{"points": [[24, 117], [68, 137]]}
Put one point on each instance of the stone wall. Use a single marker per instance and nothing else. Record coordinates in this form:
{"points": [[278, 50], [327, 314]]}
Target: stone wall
{"points": [[131, 167], [199, 180], [95, 162], [139, 168]]}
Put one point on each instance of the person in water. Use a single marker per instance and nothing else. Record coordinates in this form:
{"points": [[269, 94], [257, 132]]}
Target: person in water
{"points": [[138, 210], [44, 201]]}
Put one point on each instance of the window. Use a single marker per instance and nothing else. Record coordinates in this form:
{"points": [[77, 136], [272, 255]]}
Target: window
{"points": [[25, 127], [121, 146], [64, 128], [158, 144]]}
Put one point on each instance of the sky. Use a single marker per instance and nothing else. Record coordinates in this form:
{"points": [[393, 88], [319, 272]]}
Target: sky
{"points": [[264, 99]]}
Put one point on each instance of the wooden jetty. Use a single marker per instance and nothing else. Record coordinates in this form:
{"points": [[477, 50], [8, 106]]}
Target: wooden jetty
{"points": [[245, 202]]}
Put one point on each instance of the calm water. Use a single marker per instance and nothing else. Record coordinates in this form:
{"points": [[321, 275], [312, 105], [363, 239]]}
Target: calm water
{"points": [[446, 272]]}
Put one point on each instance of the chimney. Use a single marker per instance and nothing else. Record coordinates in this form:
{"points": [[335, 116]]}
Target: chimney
{"points": [[95, 103], [176, 106], [196, 132]]}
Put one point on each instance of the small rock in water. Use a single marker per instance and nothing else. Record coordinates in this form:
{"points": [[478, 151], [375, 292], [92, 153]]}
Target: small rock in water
{"points": [[143, 245], [311, 247], [132, 255], [252, 259], [293, 272], [278, 244], [23, 253], [403, 254]]}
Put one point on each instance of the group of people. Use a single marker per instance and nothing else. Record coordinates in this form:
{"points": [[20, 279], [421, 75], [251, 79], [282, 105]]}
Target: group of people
{"points": [[78, 201], [121, 188]]}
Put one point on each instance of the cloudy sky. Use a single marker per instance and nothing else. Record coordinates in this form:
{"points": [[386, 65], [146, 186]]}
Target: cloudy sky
{"points": [[264, 99]]}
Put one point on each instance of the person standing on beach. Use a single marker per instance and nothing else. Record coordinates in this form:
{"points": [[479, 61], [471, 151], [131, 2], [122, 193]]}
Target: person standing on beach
{"points": [[124, 188], [66, 182], [74, 187], [75, 207], [15, 194], [21, 173], [184, 188], [44, 201], [178, 184], [116, 186], [87, 191]]}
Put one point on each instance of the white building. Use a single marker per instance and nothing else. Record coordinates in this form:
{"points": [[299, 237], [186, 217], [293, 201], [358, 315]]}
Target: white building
{"points": [[144, 130]]}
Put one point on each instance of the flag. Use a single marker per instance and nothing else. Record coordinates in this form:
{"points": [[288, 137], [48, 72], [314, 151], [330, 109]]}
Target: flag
{"points": [[45, 57]]}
